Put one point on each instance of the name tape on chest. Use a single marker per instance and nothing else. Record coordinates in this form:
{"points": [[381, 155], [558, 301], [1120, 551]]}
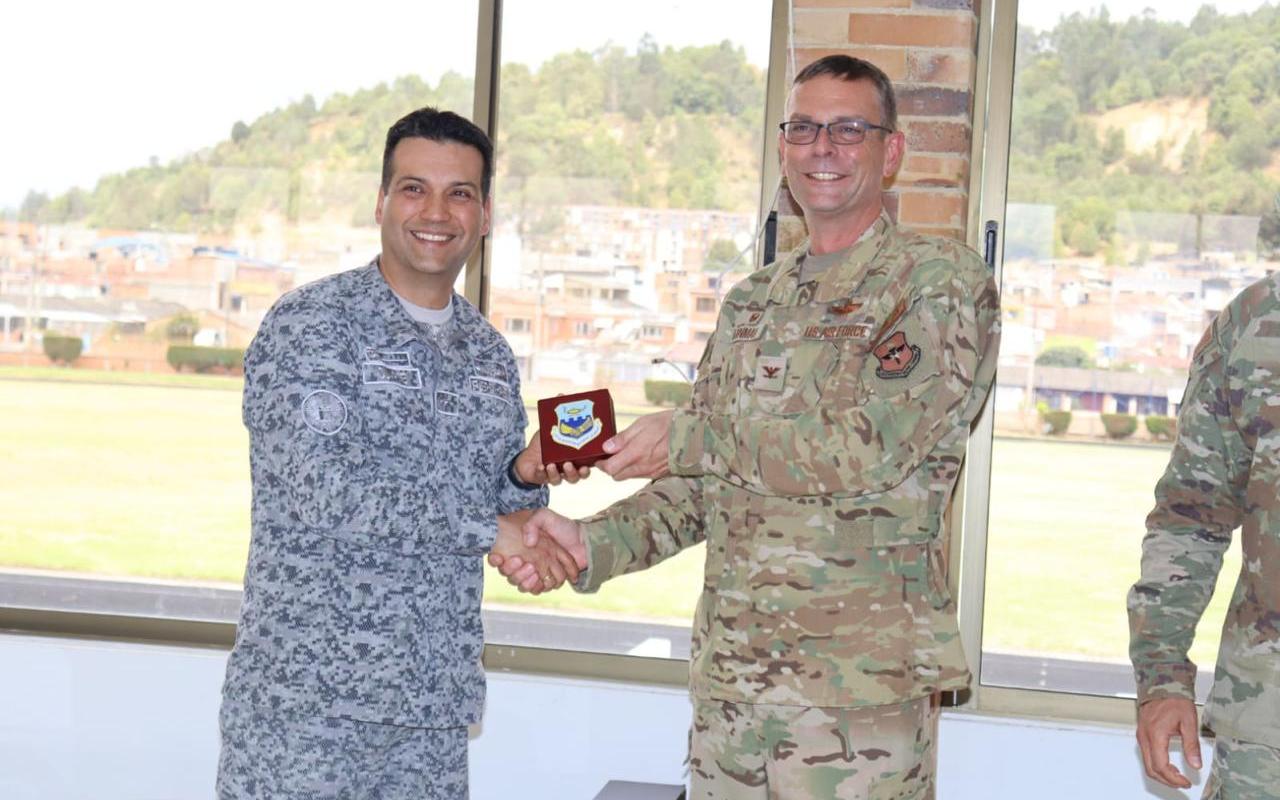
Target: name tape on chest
{"points": [[491, 370], [749, 327], [848, 330], [490, 387], [393, 358], [404, 377]]}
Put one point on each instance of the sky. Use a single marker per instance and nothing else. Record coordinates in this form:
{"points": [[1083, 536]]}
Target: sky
{"points": [[96, 87], [1042, 14], [93, 87]]}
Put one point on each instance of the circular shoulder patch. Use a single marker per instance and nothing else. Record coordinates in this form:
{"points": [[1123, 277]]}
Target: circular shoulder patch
{"points": [[324, 412]]}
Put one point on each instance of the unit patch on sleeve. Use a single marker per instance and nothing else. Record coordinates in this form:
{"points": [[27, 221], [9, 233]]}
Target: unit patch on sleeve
{"points": [[897, 357], [324, 412]]}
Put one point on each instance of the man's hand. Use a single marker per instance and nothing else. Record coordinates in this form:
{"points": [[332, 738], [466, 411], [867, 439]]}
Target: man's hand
{"points": [[546, 564], [530, 469], [1158, 722], [544, 527], [641, 450]]}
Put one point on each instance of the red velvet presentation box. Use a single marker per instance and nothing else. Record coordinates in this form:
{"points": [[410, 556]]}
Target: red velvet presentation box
{"points": [[574, 427]]}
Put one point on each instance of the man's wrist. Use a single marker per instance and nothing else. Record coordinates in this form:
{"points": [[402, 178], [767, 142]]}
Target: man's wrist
{"points": [[513, 474]]}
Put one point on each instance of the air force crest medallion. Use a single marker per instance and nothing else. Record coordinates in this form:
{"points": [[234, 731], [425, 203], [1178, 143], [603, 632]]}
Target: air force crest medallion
{"points": [[576, 424]]}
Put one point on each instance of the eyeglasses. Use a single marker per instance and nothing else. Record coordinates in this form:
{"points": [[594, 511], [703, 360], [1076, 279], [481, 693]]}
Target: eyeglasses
{"points": [[850, 131]]}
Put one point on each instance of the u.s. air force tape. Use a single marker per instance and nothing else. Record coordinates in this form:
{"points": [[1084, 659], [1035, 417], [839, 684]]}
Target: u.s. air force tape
{"points": [[324, 412]]}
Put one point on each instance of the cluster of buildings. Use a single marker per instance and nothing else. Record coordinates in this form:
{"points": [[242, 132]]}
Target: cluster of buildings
{"points": [[616, 295], [1136, 321]]}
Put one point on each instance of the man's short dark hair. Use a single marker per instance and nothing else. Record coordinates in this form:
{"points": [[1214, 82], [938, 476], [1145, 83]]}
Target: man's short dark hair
{"points": [[438, 126], [848, 68]]}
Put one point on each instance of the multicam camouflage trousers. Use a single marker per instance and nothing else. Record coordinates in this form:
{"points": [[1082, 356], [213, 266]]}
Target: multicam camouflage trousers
{"points": [[742, 751], [271, 757], [1243, 771]]}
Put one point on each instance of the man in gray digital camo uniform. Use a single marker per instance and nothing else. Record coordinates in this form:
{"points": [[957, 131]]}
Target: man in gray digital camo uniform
{"points": [[817, 458], [1224, 472], [386, 427]]}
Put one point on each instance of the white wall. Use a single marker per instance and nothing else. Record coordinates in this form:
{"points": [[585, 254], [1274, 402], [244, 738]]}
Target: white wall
{"points": [[100, 721]]}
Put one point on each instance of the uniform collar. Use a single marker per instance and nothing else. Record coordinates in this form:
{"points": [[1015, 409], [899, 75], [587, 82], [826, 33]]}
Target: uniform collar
{"points": [[398, 328], [467, 332], [840, 280]]}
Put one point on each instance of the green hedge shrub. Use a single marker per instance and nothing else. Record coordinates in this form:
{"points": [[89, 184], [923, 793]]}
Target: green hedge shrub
{"points": [[667, 393], [1058, 421], [1162, 428], [1119, 426], [203, 359], [62, 349]]}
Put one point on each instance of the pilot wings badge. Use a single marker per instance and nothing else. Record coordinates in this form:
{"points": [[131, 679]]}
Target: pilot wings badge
{"points": [[576, 424]]}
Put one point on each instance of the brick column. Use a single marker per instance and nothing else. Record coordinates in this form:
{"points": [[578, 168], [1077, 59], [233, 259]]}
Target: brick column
{"points": [[928, 49]]}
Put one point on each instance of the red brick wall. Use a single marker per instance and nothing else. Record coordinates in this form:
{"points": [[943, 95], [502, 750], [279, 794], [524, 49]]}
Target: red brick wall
{"points": [[928, 49]]}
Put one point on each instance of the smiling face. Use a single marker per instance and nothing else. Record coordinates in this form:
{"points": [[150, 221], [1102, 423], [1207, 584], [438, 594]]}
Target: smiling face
{"points": [[838, 186], [432, 215]]}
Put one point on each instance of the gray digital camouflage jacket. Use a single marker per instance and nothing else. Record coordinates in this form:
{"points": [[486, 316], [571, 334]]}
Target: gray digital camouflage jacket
{"points": [[379, 461], [817, 457], [1224, 473]]}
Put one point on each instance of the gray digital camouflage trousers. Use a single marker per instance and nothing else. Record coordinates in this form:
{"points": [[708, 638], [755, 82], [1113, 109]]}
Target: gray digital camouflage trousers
{"points": [[741, 751], [1243, 771], [271, 757]]}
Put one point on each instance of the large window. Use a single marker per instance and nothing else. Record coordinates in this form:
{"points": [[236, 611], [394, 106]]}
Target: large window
{"points": [[628, 191], [630, 149], [1144, 165], [163, 179]]}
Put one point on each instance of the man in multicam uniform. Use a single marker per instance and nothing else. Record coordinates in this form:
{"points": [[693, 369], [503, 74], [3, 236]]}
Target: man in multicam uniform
{"points": [[817, 458], [1224, 472], [385, 426]]}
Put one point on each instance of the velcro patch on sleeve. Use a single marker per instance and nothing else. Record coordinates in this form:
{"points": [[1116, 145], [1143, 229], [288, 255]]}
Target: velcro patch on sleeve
{"points": [[324, 412], [897, 357]]}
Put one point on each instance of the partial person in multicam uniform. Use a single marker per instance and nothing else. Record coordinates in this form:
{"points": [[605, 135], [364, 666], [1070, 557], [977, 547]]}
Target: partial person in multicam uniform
{"points": [[817, 459], [386, 438], [1224, 472]]}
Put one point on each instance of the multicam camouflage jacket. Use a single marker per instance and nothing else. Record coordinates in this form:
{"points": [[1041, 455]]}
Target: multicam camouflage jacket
{"points": [[820, 449], [379, 459], [1224, 472]]}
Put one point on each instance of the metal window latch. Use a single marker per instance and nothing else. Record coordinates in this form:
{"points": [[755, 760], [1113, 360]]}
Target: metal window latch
{"points": [[989, 244]]}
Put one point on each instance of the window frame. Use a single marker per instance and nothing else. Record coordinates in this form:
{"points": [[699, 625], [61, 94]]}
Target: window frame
{"points": [[993, 96], [988, 183], [28, 617]]}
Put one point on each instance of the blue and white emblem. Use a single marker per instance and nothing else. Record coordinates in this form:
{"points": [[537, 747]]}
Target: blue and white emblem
{"points": [[576, 424]]}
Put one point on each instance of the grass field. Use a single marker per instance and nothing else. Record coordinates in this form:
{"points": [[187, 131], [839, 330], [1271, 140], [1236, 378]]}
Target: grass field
{"points": [[152, 481]]}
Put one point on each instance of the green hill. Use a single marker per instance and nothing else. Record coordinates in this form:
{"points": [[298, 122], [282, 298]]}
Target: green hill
{"points": [[1085, 88], [660, 127]]}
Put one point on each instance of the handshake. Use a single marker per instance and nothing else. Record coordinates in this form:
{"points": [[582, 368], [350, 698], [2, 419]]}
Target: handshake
{"points": [[539, 550]]}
